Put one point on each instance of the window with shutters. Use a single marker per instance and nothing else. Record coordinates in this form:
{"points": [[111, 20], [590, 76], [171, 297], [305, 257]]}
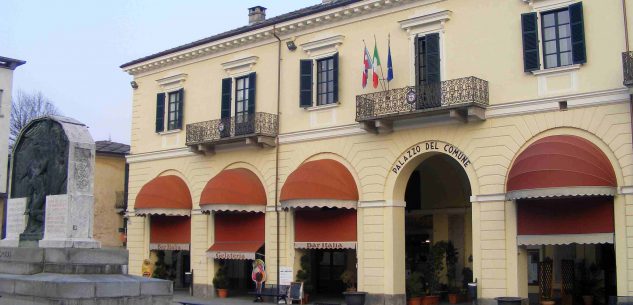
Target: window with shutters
{"points": [[169, 111], [169, 104], [561, 37], [324, 90], [238, 105]]}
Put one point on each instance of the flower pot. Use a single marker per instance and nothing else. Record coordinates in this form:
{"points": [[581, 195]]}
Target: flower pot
{"points": [[414, 301], [454, 298], [548, 302], [355, 297], [587, 299], [222, 293], [431, 300]]}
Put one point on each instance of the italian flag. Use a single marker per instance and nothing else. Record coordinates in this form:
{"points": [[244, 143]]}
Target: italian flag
{"points": [[375, 65]]}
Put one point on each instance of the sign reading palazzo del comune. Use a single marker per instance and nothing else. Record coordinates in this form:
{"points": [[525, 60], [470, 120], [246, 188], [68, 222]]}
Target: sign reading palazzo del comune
{"points": [[429, 146]]}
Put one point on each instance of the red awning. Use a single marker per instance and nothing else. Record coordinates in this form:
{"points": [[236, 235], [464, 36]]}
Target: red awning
{"points": [[325, 229], [169, 232], [236, 189], [164, 195], [565, 221], [561, 166], [237, 235], [320, 183]]}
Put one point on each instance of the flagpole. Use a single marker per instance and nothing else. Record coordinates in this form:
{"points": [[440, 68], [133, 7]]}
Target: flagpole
{"points": [[388, 56], [382, 83]]}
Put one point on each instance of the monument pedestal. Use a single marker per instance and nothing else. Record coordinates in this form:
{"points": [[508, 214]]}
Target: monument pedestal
{"points": [[57, 261], [75, 276]]}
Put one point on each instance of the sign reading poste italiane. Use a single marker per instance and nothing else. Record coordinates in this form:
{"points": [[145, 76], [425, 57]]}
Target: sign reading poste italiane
{"points": [[430, 146]]}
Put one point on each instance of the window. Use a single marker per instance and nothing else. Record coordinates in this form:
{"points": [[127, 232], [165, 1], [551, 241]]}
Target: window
{"points": [[174, 110], [562, 36], [325, 81], [238, 118], [556, 38], [534, 257], [241, 99], [427, 71], [326, 91]]}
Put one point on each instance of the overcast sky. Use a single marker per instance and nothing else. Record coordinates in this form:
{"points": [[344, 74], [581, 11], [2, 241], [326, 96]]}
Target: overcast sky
{"points": [[74, 48]]}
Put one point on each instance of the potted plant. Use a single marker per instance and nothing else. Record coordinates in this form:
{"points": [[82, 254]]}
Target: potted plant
{"points": [[432, 270], [414, 289], [587, 282], [221, 282], [305, 275], [454, 292], [352, 297]]}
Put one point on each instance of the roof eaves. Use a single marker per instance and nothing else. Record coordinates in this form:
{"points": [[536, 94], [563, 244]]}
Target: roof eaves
{"points": [[268, 22]]}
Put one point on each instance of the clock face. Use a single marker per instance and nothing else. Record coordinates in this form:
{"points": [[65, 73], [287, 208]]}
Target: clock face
{"points": [[221, 127], [411, 96]]}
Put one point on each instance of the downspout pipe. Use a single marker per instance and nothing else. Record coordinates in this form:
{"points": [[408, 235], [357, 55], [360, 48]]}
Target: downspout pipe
{"points": [[626, 43], [277, 150]]}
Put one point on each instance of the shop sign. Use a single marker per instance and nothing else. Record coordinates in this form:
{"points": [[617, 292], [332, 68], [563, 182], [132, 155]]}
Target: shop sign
{"points": [[429, 146], [169, 247], [325, 245], [232, 255]]}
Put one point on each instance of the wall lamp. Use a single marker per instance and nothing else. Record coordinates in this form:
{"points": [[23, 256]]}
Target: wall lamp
{"points": [[291, 45], [134, 85]]}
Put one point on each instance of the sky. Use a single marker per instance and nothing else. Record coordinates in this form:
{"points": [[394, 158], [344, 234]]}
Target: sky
{"points": [[73, 48]]}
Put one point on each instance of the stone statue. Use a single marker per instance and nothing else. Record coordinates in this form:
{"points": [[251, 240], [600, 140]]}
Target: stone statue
{"points": [[40, 162]]}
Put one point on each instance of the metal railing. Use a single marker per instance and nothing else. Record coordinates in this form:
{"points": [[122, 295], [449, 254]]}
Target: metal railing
{"points": [[254, 124], [627, 68], [395, 102]]}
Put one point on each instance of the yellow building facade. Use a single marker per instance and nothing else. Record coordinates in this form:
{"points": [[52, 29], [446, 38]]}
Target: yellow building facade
{"points": [[477, 88]]}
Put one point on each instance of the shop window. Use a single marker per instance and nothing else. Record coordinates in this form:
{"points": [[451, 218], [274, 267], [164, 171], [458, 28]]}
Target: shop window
{"points": [[534, 256]]}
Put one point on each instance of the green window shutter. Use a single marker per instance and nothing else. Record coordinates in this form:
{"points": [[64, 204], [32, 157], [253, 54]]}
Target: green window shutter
{"points": [[433, 58], [160, 112], [529, 28], [335, 78], [225, 111], [305, 83], [576, 20], [251, 93], [181, 103], [416, 46]]}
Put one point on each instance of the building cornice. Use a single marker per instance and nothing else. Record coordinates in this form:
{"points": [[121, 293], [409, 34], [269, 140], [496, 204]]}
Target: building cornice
{"points": [[285, 28]]}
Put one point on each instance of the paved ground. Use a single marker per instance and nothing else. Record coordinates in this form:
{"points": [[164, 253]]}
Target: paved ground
{"points": [[240, 300]]}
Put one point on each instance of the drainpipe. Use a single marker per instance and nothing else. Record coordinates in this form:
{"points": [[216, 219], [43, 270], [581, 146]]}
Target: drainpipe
{"points": [[277, 150], [626, 43]]}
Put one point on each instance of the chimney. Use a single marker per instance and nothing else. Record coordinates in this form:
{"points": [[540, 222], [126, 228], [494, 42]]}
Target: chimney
{"points": [[256, 14]]}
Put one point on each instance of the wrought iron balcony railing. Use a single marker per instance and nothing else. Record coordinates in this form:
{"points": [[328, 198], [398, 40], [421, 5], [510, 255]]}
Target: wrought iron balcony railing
{"points": [[410, 100], [627, 67], [228, 129]]}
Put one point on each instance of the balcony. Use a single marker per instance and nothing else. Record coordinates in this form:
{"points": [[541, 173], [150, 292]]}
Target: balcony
{"points": [[627, 67], [464, 99], [259, 129]]}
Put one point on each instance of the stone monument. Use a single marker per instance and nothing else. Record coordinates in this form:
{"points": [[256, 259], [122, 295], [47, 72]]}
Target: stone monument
{"points": [[49, 255]]}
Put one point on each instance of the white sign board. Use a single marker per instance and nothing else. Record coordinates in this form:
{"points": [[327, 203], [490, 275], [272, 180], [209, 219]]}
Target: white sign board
{"points": [[285, 275]]}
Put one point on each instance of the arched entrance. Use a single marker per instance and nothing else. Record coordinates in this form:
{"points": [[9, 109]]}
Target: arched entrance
{"points": [[438, 219]]}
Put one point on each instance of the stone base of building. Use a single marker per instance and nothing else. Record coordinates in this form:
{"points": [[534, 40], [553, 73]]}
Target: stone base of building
{"points": [[203, 291], [385, 299], [151, 300]]}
